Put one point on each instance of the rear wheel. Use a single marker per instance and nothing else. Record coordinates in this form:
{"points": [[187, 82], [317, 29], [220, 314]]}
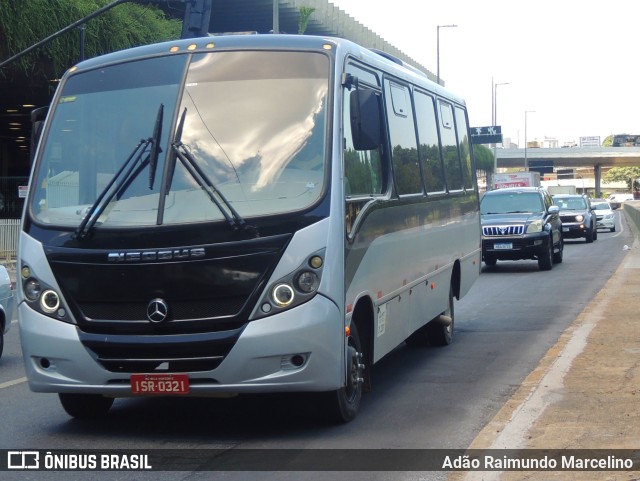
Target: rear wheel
{"points": [[342, 405], [440, 330], [85, 406]]}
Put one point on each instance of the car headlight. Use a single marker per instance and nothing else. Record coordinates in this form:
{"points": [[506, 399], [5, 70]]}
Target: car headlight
{"points": [[535, 226], [579, 218]]}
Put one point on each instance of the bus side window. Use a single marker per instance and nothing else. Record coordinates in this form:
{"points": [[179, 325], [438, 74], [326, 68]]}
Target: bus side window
{"points": [[450, 147], [362, 168], [429, 143], [464, 148], [404, 148]]}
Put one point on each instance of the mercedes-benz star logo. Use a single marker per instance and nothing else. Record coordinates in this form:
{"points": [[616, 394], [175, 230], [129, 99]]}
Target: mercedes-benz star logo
{"points": [[157, 310]]}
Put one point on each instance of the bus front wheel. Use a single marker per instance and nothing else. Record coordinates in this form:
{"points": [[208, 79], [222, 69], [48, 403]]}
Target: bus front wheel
{"points": [[85, 406], [343, 404]]}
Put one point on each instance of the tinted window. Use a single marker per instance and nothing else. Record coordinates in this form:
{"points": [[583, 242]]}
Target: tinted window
{"points": [[464, 148], [404, 149], [362, 168], [429, 143], [450, 147]]}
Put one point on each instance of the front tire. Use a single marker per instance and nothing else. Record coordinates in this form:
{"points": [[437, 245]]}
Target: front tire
{"points": [[342, 405], [557, 256], [85, 406], [545, 260]]}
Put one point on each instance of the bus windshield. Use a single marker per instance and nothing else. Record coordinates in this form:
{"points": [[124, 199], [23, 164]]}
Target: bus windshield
{"points": [[253, 122]]}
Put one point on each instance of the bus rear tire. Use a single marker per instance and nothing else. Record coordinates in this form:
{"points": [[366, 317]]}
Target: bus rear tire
{"points": [[342, 405], [85, 406], [439, 333]]}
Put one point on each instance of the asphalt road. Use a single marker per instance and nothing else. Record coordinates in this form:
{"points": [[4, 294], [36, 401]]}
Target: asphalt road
{"points": [[421, 398]]}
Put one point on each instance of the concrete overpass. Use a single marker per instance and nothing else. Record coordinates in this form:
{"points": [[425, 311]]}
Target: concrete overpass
{"points": [[573, 157]]}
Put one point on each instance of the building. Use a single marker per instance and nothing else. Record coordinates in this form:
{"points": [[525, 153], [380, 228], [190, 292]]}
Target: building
{"points": [[19, 98]]}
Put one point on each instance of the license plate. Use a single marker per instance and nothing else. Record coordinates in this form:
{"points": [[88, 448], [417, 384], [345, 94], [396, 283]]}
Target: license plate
{"points": [[503, 246], [565, 229], [159, 384]]}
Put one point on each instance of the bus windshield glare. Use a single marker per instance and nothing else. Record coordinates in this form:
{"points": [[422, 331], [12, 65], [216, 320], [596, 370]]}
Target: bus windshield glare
{"points": [[254, 125]]}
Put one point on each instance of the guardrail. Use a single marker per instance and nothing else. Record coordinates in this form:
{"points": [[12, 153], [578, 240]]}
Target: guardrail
{"points": [[632, 211]]}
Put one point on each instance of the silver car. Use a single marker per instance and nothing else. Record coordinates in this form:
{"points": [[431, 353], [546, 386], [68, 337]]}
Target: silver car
{"points": [[7, 304], [605, 217]]}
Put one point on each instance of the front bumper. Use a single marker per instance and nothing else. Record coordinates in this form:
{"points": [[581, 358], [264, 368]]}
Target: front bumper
{"points": [[528, 246], [574, 230], [56, 360], [606, 223]]}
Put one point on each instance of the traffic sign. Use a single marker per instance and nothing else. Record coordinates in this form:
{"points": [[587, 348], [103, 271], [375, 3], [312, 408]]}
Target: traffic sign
{"points": [[486, 135]]}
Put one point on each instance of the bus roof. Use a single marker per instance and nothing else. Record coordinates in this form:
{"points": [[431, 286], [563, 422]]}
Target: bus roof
{"points": [[343, 46]]}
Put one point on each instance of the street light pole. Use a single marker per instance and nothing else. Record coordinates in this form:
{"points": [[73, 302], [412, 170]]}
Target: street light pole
{"points": [[438, 48], [495, 101], [526, 164]]}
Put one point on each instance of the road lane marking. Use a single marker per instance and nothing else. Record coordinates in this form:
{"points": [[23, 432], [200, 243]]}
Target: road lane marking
{"points": [[13, 383]]}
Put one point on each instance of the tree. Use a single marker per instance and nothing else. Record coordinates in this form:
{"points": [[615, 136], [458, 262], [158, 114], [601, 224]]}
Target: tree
{"points": [[622, 174], [305, 16], [26, 22], [484, 158]]}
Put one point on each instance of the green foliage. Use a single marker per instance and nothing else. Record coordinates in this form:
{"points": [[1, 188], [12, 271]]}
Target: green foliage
{"points": [[608, 141], [622, 174], [484, 158], [305, 16], [26, 22]]}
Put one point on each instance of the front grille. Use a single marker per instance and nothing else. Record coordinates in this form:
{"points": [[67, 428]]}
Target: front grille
{"points": [[568, 218], [172, 353], [503, 230], [180, 310]]}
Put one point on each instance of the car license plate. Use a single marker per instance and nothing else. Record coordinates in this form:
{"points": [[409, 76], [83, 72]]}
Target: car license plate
{"points": [[565, 229], [503, 246], [160, 384]]}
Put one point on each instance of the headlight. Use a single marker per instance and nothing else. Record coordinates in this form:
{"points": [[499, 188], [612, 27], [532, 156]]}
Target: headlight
{"points": [[295, 288], [41, 297], [579, 218], [283, 295], [535, 226], [32, 289], [49, 301], [307, 282]]}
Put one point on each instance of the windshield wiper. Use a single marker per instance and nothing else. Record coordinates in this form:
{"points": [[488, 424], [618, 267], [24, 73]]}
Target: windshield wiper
{"points": [[179, 151], [121, 181]]}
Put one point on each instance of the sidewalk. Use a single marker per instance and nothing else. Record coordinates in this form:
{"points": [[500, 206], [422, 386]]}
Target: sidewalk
{"points": [[585, 393]]}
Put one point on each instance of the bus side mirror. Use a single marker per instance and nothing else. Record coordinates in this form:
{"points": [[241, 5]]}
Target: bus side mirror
{"points": [[365, 119], [37, 121]]}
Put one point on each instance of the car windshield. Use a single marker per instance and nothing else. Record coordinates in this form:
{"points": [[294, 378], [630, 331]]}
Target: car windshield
{"points": [[570, 203], [511, 203], [601, 206], [254, 126]]}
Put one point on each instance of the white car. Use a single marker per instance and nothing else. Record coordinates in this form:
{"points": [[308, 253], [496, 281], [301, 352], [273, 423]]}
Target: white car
{"points": [[7, 304], [616, 200], [605, 217]]}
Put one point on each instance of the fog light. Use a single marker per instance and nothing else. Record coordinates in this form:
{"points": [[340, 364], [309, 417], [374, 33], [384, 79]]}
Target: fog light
{"points": [[49, 301], [283, 295]]}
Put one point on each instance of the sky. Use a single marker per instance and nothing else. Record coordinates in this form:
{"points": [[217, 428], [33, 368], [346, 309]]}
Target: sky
{"points": [[572, 65]]}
